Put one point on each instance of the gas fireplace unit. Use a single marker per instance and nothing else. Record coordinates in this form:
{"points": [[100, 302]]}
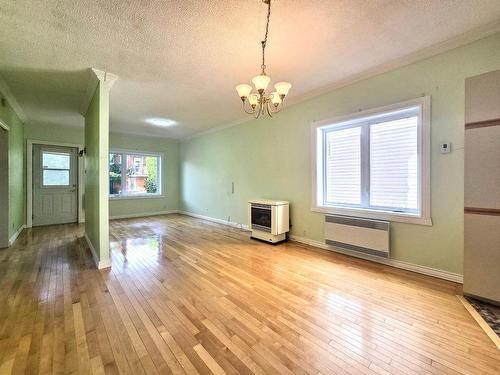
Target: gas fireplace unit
{"points": [[268, 219]]}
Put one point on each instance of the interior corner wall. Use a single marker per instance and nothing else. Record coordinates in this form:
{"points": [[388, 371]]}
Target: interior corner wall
{"points": [[96, 173], [271, 158], [17, 185]]}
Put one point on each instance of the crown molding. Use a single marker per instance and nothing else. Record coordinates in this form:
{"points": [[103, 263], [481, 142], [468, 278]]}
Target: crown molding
{"points": [[111, 131], [142, 134], [5, 91], [414, 57], [96, 76], [422, 54], [216, 129]]}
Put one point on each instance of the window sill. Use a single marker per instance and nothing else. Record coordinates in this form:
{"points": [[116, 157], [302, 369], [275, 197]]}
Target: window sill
{"points": [[126, 197], [372, 214]]}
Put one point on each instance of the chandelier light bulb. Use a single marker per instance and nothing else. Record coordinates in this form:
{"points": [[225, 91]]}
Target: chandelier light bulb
{"points": [[261, 82], [283, 88], [244, 90]]}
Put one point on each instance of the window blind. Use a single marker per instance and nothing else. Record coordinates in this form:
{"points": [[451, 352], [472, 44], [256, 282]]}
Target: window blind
{"points": [[394, 164], [343, 166], [375, 164]]}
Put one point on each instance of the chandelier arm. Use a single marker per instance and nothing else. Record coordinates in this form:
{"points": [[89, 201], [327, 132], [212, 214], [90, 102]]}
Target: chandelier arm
{"points": [[256, 111], [260, 110], [250, 112], [274, 109], [257, 114], [269, 111]]}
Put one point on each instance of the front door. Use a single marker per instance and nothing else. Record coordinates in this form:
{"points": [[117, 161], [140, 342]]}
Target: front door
{"points": [[55, 185]]}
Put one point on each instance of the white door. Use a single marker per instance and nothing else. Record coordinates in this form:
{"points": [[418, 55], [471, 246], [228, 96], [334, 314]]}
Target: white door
{"points": [[55, 185]]}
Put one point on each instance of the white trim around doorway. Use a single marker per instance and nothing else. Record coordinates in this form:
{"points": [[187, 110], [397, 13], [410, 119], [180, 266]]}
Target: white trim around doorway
{"points": [[29, 178]]}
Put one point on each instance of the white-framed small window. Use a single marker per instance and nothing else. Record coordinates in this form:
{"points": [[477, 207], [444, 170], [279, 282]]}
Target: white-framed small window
{"points": [[134, 174], [56, 169], [374, 163]]}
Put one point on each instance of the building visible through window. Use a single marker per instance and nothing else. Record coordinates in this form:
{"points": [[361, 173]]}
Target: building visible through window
{"points": [[134, 174]]}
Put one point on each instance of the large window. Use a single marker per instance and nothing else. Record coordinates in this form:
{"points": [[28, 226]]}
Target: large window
{"points": [[374, 163], [134, 174]]}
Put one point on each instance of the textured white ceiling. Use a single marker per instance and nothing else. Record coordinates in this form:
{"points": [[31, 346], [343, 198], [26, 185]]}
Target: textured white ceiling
{"points": [[182, 59]]}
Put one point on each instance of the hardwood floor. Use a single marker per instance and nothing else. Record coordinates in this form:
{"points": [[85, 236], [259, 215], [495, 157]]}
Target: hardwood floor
{"points": [[190, 296]]}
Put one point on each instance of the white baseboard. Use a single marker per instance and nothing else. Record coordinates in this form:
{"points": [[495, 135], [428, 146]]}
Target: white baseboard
{"points": [[15, 235], [219, 221], [144, 214], [441, 274], [98, 263]]}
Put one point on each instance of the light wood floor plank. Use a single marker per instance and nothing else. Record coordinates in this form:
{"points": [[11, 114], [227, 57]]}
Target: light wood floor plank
{"points": [[187, 296]]}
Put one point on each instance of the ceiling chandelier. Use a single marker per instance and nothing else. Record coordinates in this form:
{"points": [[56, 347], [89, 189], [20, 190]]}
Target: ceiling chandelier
{"points": [[260, 102]]}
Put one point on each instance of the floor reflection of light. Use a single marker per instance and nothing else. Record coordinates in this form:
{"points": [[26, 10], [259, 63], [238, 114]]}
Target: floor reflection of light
{"points": [[338, 300], [137, 250]]}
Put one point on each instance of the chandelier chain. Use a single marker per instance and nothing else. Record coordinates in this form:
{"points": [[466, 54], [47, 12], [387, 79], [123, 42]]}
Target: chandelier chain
{"points": [[264, 42]]}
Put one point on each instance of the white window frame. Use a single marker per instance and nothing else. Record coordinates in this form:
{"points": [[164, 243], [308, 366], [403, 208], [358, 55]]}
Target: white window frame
{"points": [[42, 179], [158, 194], [424, 161]]}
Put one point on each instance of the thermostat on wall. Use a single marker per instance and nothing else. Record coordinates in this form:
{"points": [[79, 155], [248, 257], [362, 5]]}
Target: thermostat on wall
{"points": [[445, 147]]}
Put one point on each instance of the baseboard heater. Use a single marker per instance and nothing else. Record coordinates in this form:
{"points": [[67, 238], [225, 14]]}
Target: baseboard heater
{"points": [[366, 236]]}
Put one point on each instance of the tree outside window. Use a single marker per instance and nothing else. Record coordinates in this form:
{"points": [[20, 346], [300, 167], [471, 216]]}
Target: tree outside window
{"points": [[134, 174]]}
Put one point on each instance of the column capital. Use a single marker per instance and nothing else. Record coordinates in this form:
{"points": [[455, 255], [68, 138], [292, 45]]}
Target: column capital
{"points": [[95, 76]]}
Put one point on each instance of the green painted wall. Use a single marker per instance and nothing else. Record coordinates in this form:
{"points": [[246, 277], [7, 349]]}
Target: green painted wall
{"points": [[17, 185], [92, 160], [54, 133], [170, 175], [270, 158], [170, 168]]}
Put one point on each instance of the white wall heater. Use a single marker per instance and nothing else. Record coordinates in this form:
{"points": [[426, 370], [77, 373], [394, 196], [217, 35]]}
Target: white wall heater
{"points": [[361, 235], [269, 219]]}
